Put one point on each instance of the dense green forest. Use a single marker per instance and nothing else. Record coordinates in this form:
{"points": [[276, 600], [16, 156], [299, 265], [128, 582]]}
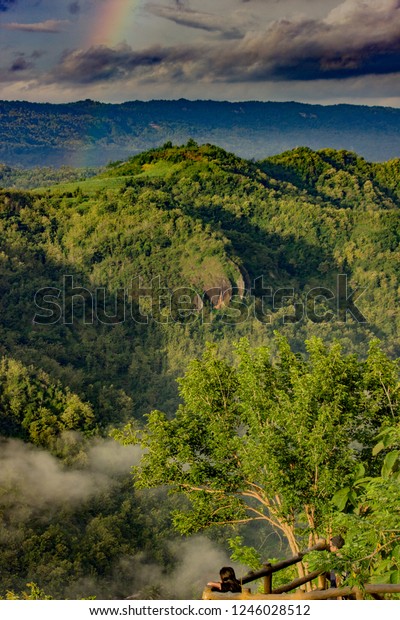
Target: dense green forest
{"points": [[112, 284], [94, 133]]}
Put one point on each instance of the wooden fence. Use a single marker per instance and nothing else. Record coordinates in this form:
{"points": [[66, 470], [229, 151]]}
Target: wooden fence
{"points": [[285, 592]]}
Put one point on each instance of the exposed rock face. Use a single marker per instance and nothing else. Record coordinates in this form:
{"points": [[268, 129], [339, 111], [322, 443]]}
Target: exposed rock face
{"points": [[218, 279]]}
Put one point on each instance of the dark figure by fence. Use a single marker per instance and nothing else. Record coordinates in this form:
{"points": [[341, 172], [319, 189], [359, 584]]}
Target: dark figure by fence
{"points": [[336, 543], [228, 582]]}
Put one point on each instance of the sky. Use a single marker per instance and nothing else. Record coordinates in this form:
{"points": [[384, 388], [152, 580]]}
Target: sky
{"points": [[316, 51]]}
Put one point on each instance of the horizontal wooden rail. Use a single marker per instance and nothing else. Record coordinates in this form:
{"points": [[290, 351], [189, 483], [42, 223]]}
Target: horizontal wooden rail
{"points": [[296, 583], [274, 568], [314, 595]]}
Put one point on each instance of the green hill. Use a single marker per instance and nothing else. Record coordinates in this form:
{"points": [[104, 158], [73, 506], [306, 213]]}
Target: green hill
{"points": [[198, 217], [201, 218]]}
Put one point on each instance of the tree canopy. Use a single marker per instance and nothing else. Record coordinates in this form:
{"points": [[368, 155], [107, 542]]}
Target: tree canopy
{"points": [[256, 440]]}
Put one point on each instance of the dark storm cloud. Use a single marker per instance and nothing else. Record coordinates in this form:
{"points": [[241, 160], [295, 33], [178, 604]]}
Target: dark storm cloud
{"points": [[6, 5], [74, 8], [183, 16], [357, 38], [102, 63], [20, 64]]}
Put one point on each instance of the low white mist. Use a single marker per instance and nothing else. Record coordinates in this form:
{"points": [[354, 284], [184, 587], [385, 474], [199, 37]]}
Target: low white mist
{"points": [[32, 476], [199, 560]]}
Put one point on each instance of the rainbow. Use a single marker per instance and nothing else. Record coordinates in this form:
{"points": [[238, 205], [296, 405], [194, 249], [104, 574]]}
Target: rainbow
{"points": [[112, 22]]}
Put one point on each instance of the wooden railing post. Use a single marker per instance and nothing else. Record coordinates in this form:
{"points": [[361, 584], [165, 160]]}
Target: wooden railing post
{"points": [[322, 582], [267, 579]]}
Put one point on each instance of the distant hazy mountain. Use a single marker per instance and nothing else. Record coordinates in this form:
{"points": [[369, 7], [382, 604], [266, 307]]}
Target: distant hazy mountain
{"points": [[91, 133]]}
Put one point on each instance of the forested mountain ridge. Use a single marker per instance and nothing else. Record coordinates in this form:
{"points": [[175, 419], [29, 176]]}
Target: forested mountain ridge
{"points": [[92, 133], [197, 218]]}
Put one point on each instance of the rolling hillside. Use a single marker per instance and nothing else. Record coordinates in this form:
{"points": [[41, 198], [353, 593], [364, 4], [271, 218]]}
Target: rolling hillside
{"points": [[201, 218]]}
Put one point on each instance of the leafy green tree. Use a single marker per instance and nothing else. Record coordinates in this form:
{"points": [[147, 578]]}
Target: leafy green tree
{"points": [[264, 441], [369, 520], [33, 407]]}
